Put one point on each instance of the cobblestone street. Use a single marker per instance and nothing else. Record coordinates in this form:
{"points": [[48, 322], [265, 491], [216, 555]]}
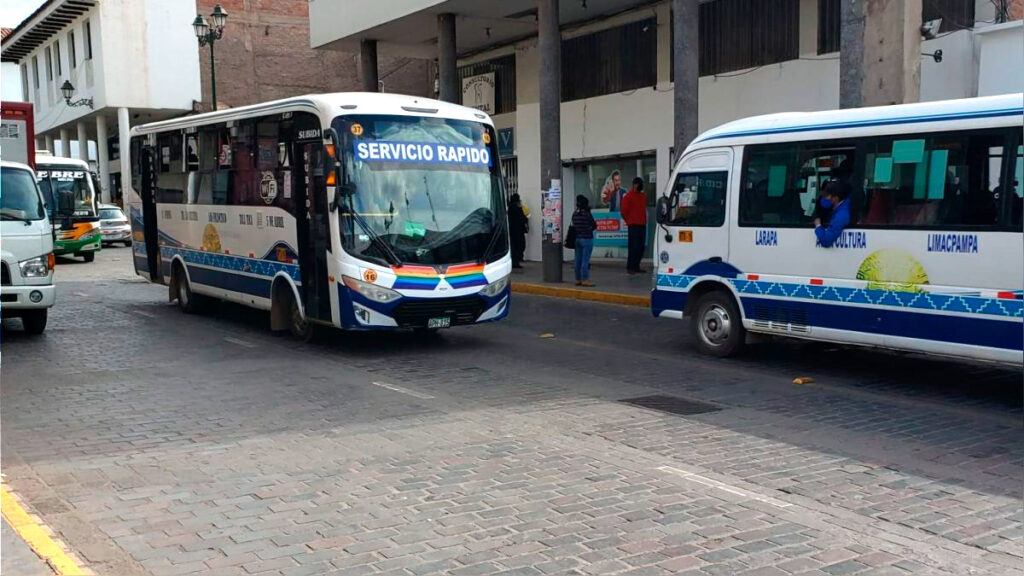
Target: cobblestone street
{"points": [[154, 442]]}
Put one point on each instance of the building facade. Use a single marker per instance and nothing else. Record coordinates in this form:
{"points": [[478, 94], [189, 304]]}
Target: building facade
{"points": [[617, 60]]}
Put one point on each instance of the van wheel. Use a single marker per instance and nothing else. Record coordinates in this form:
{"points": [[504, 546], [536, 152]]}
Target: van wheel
{"points": [[34, 321], [717, 326], [188, 301], [88, 256]]}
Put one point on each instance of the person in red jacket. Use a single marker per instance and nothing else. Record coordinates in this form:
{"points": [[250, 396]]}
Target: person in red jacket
{"points": [[634, 212]]}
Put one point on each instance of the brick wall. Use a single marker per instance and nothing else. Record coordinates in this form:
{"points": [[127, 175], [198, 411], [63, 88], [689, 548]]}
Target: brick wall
{"points": [[265, 55]]}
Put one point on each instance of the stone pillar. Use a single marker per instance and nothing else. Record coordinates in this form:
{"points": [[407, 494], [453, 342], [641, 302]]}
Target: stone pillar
{"points": [[48, 143], [65, 143], [447, 72], [880, 52], [102, 160], [124, 145], [83, 142], [550, 84], [368, 66], [686, 70]]}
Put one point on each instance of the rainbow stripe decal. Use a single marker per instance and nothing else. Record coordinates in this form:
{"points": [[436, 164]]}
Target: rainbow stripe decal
{"points": [[412, 277]]}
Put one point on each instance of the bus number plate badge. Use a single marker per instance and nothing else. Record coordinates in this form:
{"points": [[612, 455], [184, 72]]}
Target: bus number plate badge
{"points": [[442, 322]]}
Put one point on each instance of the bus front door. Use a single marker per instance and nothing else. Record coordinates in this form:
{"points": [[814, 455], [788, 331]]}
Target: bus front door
{"points": [[147, 178], [313, 230]]}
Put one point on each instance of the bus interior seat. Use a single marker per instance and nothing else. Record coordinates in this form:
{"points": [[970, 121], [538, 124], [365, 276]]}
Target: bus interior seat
{"points": [[879, 207]]}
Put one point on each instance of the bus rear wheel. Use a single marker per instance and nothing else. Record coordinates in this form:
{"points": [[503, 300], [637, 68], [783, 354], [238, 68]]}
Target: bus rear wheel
{"points": [[188, 301], [716, 325]]}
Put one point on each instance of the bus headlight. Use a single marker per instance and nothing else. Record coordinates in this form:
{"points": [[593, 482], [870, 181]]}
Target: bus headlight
{"points": [[34, 267], [495, 288], [371, 291]]}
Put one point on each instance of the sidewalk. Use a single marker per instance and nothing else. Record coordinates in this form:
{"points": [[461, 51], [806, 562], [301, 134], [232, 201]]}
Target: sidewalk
{"points": [[613, 284]]}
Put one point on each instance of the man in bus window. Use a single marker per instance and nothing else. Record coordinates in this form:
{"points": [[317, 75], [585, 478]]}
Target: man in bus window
{"points": [[836, 200]]}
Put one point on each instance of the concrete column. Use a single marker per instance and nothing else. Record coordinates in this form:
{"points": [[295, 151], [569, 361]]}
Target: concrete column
{"points": [[880, 52], [447, 72], [83, 142], [124, 144], [48, 143], [368, 66], [685, 45], [550, 85], [102, 158], [65, 143]]}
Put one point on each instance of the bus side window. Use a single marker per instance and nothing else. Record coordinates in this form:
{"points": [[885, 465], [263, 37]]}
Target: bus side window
{"points": [[1016, 200], [782, 182], [172, 180]]}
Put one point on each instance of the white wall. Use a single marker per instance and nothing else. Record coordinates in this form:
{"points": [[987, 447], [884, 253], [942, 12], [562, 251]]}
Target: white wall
{"points": [[957, 75], [1001, 68], [10, 82]]}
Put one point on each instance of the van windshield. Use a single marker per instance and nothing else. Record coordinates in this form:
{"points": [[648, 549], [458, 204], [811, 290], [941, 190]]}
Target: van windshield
{"points": [[19, 196]]}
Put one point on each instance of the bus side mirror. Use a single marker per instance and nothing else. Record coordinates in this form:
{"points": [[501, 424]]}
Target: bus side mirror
{"points": [[662, 210], [65, 203]]}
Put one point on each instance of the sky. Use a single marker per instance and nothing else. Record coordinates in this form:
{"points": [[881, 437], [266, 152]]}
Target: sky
{"points": [[12, 12]]}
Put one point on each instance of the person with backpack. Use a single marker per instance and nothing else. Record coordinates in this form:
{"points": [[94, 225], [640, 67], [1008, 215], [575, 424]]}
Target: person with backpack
{"points": [[583, 225]]}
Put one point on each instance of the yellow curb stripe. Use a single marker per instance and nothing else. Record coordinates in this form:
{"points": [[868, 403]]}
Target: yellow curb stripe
{"points": [[576, 294], [37, 538]]}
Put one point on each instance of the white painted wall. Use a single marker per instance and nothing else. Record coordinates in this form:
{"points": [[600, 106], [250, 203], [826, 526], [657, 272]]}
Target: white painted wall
{"points": [[957, 75], [331, 19], [10, 82], [1001, 68]]}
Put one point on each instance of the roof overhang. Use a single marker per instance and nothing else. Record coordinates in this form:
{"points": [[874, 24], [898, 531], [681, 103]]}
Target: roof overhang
{"points": [[409, 27], [49, 19]]}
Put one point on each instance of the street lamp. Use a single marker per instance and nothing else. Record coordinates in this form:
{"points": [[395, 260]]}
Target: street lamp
{"points": [[67, 90], [207, 35]]}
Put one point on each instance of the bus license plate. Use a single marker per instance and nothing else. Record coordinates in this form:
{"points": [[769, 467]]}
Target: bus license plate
{"points": [[444, 322]]}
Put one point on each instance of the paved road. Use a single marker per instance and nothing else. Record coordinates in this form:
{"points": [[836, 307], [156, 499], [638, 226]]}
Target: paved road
{"points": [[17, 558], [158, 443]]}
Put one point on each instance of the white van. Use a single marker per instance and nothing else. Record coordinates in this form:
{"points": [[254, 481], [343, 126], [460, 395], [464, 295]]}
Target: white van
{"points": [[26, 247]]}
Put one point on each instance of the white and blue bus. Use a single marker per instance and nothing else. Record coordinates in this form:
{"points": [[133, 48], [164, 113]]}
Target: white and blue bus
{"points": [[358, 211], [932, 261]]}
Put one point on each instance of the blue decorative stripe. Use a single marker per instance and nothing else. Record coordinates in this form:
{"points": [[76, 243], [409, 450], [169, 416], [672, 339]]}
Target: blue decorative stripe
{"points": [[973, 331], [873, 122], [662, 300], [230, 262], [230, 281], [923, 301]]}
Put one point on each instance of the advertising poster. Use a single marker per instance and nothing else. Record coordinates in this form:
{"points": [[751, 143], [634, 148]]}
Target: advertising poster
{"points": [[611, 229], [552, 215]]}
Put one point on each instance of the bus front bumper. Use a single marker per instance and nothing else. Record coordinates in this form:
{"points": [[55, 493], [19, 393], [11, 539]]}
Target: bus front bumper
{"points": [[359, 313], [89, 243]]}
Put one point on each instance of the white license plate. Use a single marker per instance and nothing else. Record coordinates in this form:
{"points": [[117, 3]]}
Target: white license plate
{"points": [[444, 322]]}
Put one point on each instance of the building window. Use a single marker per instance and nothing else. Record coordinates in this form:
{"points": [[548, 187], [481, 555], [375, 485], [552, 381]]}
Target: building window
{"points": [[72, 57], [24, 82], [88, 40], [610, 61], [504, 70], [955, 14], [829, 24], [49, 65], [739, 34], [56, 55], [35, 71]]}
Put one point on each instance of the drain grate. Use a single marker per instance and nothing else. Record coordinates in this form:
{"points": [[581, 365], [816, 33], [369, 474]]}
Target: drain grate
{"points": [[672, 404]]}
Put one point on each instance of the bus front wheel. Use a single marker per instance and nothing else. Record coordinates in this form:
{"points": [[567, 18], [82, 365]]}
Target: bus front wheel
{"points": [[717, 326], [88, 256]]}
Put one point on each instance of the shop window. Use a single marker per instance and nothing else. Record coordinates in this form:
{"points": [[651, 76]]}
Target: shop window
{"points": [[934, 181], [610, 61], [740, 34], [504, 71], [699, 199], [782, 181], [604, 182]]}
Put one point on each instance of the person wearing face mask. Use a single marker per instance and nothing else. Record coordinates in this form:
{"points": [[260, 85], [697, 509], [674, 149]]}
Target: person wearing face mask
{"points": [[836, 203]]}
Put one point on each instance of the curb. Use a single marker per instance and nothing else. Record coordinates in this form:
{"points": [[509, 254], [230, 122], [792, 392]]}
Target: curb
{"points": [[577, 294], [39, 537]]}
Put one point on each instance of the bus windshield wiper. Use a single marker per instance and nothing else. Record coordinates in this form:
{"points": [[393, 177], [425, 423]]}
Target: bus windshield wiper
{"points": [[9, 216], [375, 238]]}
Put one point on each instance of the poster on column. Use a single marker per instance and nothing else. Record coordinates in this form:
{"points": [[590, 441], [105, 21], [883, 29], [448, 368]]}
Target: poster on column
{"points": [[552, 215]]}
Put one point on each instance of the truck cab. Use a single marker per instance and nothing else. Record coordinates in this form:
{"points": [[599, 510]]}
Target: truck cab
{"points": [[26, 289]]}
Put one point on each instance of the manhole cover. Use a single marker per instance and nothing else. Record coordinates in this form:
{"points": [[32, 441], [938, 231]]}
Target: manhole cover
{"points": [[672, 404]]}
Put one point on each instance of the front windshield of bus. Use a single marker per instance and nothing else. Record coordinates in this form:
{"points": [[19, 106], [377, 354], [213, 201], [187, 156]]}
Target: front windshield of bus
{"points": [[421, 190], [19, 197], [54, 179]]}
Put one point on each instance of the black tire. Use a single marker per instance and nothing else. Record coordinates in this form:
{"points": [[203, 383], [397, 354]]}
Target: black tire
{"points": [[127, 243], [717, 326], [188, 301], [34, 321], [299, 326], [88, 256]]}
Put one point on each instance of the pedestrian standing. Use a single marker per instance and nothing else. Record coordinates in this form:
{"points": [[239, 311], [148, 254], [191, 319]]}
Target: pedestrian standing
{"points": [[584, 225], [634, 212], [518, 226]]}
